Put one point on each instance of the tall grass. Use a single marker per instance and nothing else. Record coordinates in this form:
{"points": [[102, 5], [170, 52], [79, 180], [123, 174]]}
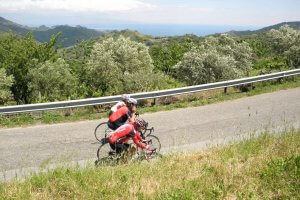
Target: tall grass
{"points": [[264, 168]]}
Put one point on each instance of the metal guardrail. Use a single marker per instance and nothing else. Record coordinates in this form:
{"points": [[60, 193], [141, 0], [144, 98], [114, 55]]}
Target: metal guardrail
{"points": [[144, 95]]}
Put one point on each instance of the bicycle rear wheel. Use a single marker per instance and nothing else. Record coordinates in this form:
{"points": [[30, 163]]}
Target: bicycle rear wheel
{"points": [[101, 131], [105, 154]]}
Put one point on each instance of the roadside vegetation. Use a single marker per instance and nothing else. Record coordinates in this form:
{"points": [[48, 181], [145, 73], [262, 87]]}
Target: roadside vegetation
{"points": [[129, 62], [267, 167]]}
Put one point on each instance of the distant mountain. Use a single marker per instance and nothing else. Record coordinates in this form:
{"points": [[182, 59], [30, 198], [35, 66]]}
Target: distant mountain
{"points": [[294, 25], [9, 26], [70, 35], [40, 28]]}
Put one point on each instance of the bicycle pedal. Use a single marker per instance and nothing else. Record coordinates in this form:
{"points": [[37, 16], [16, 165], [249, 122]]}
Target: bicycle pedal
{"points": [[111, 153]]}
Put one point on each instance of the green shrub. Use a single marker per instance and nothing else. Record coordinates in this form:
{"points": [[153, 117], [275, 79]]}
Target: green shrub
{"points": [[216, 59], [5, 84]]}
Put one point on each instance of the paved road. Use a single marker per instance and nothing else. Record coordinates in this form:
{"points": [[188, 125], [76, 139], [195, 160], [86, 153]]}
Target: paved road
{"points": [[182, 128]]}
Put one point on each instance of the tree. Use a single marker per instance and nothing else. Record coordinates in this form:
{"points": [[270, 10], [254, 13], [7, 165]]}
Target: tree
{"points": [[5, 84], [165, 56], [121, 65], [227, 45], [20, 54], [286, 42], [260, 46], [77, 57], [51, 81], [205, 67], [216, 59]]}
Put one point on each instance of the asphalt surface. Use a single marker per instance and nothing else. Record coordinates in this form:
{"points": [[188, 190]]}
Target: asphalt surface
{"points": [[186, 129]]}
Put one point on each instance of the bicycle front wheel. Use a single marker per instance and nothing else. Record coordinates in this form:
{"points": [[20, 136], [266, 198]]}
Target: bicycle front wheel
{"points": [[101, 131], [154, 142]]}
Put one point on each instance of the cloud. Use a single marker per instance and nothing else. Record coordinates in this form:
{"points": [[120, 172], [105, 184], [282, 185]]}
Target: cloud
{"points": [[72, 5], [146, 11]]}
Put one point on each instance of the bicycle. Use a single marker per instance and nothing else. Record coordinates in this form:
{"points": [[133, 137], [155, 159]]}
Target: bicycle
{"points": [[106, 155]]}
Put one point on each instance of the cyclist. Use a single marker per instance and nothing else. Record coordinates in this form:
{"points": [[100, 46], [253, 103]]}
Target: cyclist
{"points": [[123, 114], [120, 104], [118, 139]]}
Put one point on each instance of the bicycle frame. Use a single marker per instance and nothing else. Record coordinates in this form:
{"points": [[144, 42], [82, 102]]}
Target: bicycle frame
{"points": [[144, 135]]}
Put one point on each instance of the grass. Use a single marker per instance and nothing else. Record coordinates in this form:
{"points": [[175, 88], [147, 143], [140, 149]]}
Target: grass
{"points": [[163, 104], [267, 167]]}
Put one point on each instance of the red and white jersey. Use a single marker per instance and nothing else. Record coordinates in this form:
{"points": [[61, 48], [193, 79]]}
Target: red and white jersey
{"points": [[121, 114], [118, 105], [124, 133]]}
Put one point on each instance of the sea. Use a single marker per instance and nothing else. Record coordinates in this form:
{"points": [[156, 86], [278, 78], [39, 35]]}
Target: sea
{"points": [[173, 29]]}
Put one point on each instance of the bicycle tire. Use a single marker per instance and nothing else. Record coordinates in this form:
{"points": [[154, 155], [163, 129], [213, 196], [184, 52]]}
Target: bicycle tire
{"points": [[103, 154], [101, 131], [155, 143]]}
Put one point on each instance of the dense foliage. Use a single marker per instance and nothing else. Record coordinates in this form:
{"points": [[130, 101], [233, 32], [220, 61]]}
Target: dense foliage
{"points": [[130, 62], [167, 55], [5, 84], [216, 59], [121, 65], [50, 81], [18, 56], [286, 42]]}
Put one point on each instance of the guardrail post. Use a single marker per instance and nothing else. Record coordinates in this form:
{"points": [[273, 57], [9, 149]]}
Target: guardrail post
{"points": [[154, 102], [68, 112], [280, 80], [225, 90]]}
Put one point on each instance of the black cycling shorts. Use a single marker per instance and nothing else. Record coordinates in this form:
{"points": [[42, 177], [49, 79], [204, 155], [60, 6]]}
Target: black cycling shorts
{"points": [[119, 147]]}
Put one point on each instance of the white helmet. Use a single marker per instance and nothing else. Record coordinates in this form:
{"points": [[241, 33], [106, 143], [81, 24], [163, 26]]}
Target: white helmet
{"points": [[125, 97], [132, 100]]}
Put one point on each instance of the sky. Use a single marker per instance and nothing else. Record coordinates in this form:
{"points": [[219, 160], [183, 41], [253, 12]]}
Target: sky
{"points": [[257, 13]]}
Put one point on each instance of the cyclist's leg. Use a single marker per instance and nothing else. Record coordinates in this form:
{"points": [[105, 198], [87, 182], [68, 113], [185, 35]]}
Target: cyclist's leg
{"points": [[112, 146], [119, 148]]}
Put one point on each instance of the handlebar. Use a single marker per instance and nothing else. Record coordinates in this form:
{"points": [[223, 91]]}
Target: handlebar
{"points": [[143, 132]]}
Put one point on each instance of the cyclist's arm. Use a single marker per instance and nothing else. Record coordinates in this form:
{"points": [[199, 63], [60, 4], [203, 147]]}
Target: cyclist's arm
{"points": [[137, 138], [140, 137]]}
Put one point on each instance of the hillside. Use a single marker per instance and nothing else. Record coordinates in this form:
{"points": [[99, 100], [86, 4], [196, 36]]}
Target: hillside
{"points": [[294, 25], [70, 35], [9, 26]]}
